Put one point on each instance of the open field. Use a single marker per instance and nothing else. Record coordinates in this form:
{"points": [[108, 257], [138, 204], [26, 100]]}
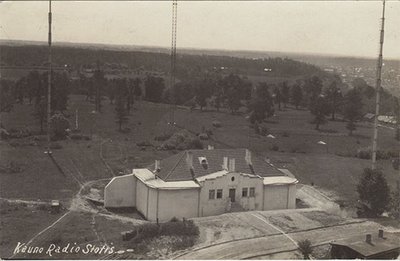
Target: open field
{"points": [[332, 168]]}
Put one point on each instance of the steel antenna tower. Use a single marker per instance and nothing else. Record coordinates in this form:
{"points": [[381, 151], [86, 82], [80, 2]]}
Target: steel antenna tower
{"points": [[173, 61], [49, 84], [378, 89]]}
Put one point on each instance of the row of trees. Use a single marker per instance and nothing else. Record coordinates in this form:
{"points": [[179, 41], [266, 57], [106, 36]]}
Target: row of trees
{"points": [[188, 65], [33, 89]]}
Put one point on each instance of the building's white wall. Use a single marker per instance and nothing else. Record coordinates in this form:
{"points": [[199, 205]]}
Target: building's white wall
{"points": [[120, 192], [182, 203], [276, 197], [292, 196], [152, 208], [141, 197], [216, 206]]}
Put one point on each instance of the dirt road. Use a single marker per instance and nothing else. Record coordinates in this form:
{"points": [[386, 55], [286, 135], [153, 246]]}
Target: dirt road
{"points": [[251, 248]]}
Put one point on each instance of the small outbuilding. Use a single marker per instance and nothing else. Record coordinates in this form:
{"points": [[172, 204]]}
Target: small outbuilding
{"points": [[379, 246]]}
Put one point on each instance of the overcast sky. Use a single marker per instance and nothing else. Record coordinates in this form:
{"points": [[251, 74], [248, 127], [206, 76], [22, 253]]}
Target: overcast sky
{"points": [[329, 27]]}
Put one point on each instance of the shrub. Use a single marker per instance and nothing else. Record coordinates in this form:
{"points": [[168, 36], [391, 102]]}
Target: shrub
{"points": [[79, 137], [366, 153], [59, 126], [374, 192], [55, 146], [305, 248], [216, 124], [285, 134], [396, 163], [174, 219], [181, 141], [203, 136], [144, 144], [125, 130], [163, 137], [183, 243], [275, 147], [174, 227], [196, 144]]}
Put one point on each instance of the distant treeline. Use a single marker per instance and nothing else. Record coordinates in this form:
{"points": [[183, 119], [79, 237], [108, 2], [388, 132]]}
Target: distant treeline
{"points": [[187, 65]]}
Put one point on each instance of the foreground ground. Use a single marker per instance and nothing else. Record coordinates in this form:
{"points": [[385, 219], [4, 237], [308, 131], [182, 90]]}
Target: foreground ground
{"points": [[78, 165]]}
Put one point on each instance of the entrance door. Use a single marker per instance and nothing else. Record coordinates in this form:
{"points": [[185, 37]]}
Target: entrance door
{"points": [[232, 193]]}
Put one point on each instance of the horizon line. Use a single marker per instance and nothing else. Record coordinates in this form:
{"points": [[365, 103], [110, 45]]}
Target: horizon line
{"points": [[331, 55]]}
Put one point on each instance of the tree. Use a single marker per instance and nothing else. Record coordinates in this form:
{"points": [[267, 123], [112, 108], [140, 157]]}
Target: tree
{"points": [[137, 92], [59, 125], [154, 88], [111, 90], [352, 109], [374, 192], [235, 89], [59, 91], [394, 205], [313, 87], [261, 105], [99, 82], [19, 89], [305, 248], [6, 97], [234, 99], [396, 109], [40, 112], [278, 97], [285, 93], [218, 100], [203, 91], [297, 95], [35, 86], [319, 109], [120, 112], [333, 95]]}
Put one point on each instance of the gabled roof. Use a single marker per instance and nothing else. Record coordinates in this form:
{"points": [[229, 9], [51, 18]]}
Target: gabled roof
{"points": [[176, 168], [378, 245]]}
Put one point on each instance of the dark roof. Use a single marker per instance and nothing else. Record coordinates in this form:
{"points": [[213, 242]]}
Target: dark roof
{"points": [[175, 168], [389, 242]]}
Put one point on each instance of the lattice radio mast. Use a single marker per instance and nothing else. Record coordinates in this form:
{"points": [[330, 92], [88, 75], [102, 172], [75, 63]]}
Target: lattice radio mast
{"points": [[49, 84], [173, 61], [378, 89]]}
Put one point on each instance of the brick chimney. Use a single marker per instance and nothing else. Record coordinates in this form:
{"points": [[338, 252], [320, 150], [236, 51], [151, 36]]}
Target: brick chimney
{"points": [[157, 166], [248, 157], [225, 163], [380, 233], [231, 166], [368, 238], [189, 159]]}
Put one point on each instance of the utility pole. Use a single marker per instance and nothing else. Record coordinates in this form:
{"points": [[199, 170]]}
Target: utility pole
{"points": [[173, 61], [378, 89], [49, 85]]}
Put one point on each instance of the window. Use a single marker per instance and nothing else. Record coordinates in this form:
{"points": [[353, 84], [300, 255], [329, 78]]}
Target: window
{"points": [[211, 194], [219, 193], [233, 178], [252, 192], [244, 192]]}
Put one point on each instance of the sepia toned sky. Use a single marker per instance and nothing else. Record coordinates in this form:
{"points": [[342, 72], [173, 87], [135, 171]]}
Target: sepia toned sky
{"points": [[348, 28]]}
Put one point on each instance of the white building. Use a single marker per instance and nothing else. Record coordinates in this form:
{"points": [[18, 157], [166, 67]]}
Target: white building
{"points": [[197, 183]]}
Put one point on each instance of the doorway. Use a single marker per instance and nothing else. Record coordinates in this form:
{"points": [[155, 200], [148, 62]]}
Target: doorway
{"points": [[232, 193]]}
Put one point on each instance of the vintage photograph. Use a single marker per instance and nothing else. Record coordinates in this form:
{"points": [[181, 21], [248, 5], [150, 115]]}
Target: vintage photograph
{"points": [[199, 130]]}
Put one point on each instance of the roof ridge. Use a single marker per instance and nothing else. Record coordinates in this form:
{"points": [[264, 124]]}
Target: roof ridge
{"points": [[170, 172]]}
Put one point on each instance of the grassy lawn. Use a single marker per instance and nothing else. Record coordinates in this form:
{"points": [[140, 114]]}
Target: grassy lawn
{"points": [[330, 167], [19, 223]]}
